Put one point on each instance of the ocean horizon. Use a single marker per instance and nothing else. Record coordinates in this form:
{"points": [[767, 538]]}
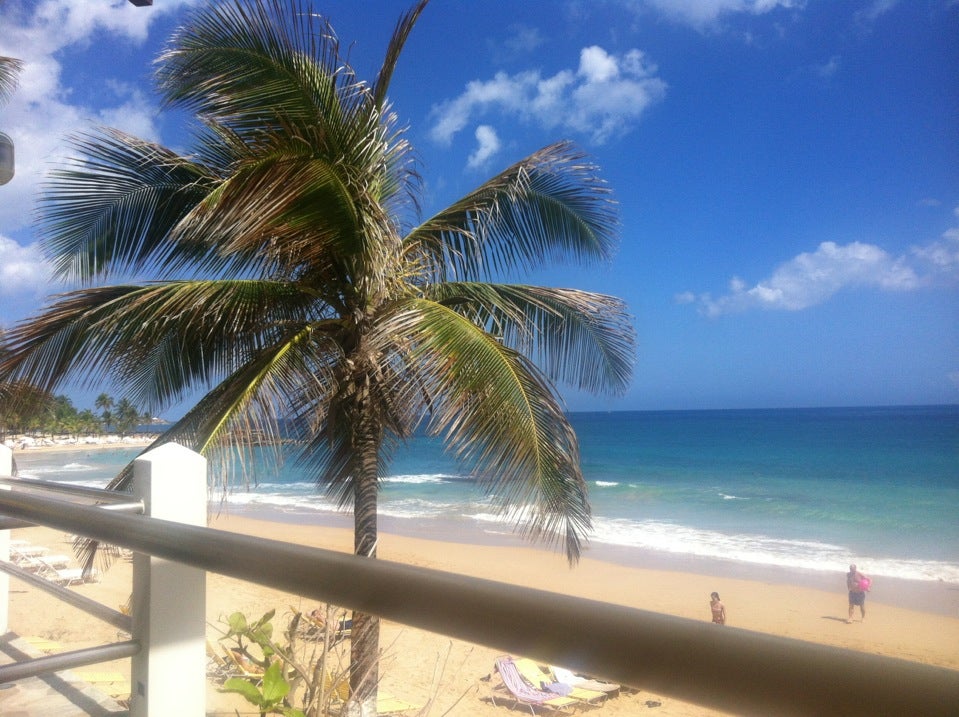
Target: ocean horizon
{"points": [[809, 489]]}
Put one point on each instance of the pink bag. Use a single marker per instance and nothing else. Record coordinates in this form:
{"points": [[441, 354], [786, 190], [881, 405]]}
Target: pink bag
{"points": [[864, 583]]}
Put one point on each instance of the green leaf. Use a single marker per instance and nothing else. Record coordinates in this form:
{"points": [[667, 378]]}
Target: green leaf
{"points": [[250, 692], [262, 634], [237, 623], [275, 687]]}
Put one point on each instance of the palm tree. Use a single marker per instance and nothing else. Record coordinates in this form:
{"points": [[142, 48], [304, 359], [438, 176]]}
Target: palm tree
{"points": [[104, 404], [298, 280]]}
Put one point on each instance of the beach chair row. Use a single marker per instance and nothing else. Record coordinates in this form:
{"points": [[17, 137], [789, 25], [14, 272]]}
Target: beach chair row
{"points": [[526, 684], [37, 559]]}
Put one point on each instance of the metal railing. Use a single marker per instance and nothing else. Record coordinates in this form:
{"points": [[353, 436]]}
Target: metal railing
{"points": [[729, 669], [33, 667]]}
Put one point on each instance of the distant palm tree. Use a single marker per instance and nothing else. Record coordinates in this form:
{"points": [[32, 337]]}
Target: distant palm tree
{"points": [[295, 278], [104, 403]]}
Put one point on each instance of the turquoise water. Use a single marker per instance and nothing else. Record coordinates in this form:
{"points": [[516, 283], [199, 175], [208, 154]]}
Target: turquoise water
{"points": [[812, 489]]}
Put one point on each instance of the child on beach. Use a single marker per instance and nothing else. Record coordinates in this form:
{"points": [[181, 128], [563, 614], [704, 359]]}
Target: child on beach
{"points": [[718, 609]]}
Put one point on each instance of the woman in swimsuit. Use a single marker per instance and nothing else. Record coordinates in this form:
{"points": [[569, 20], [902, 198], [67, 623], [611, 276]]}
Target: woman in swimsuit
{"points": [[718, 609]]}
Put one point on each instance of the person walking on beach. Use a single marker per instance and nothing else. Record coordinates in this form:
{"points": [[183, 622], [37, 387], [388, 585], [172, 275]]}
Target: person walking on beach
{"points": [[718, 609], [857, 583]]}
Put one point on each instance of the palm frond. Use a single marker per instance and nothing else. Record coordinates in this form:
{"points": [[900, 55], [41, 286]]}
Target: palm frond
{"points": [[400, 34], [548, 206], [251, 65], [111, 209], [581, 338], [496, 411], [10, 69], [159, 340], [277, 210]]}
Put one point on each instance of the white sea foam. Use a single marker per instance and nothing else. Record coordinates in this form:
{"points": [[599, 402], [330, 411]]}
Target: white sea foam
{"points": [[416, 479], [45, 471], [605, 483], [761, 549]]}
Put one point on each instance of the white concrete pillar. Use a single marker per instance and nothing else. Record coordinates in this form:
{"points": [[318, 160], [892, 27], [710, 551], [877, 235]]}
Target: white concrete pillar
{"points": [[168, 676], [6, 470]]}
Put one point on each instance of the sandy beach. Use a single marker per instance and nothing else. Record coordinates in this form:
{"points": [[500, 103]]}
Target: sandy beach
{"points": [[84, 443], [420, 666]]}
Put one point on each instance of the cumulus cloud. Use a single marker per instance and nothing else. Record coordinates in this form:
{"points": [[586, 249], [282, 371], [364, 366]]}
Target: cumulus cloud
{"points": [[44, 109], [488, 144], [602, 98], [702, 14], [22, 269], [942, 255], [812, 278]]}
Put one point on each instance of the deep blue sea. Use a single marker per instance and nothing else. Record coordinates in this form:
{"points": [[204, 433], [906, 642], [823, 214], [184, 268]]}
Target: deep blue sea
{"points": [[813, 489]]}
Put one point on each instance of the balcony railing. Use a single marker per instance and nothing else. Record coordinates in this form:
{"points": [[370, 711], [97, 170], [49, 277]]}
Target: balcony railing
{"points": [[731, 669]]}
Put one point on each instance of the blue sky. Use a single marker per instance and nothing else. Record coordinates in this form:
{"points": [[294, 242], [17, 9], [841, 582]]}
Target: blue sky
{"points": [[787, 171]]}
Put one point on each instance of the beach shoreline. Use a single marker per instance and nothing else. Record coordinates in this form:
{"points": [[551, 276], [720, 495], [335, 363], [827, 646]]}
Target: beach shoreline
{"points": [[935, 597], [411, 656], [28, 444]]}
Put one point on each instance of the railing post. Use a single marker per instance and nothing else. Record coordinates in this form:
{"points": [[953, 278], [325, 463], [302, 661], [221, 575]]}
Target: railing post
{"points": [[168, 676], [6, 469]]}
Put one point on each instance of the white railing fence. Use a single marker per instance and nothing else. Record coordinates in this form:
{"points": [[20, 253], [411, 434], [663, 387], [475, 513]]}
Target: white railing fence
{"points": [[730, 669]]}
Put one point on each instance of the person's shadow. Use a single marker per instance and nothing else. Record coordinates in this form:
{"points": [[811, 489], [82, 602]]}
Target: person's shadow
{"points": [[833, 617]]}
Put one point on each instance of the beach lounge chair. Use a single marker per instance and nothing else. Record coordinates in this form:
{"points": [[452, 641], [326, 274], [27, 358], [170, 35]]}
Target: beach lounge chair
{"points": [[55, 561], [114, 684], [217, 668], [538, 677], [25, 551], [519, 692], [28, 556], [240, 665], [43, 644], [338, 688], [313, 627], [568, 677], [64, 576]]}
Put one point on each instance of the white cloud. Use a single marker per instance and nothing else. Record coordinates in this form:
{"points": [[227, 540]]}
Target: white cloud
{"points": [[875, 10], [520, 40], [702, 14], [603, 98], [828, 69], [22, 269], [942, 255], [488, 145], [44, 110], [812, 278]]}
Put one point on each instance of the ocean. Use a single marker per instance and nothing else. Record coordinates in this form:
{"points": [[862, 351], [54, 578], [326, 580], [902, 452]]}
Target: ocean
{"points": [[802, 489]]}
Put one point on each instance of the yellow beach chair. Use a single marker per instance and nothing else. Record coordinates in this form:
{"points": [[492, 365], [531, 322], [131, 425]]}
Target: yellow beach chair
{"points": [[537, 677], [338, 689], [514, 688]]}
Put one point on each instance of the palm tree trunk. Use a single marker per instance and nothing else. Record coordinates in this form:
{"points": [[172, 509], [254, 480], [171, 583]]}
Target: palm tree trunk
{"points": [[365, 635]]}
